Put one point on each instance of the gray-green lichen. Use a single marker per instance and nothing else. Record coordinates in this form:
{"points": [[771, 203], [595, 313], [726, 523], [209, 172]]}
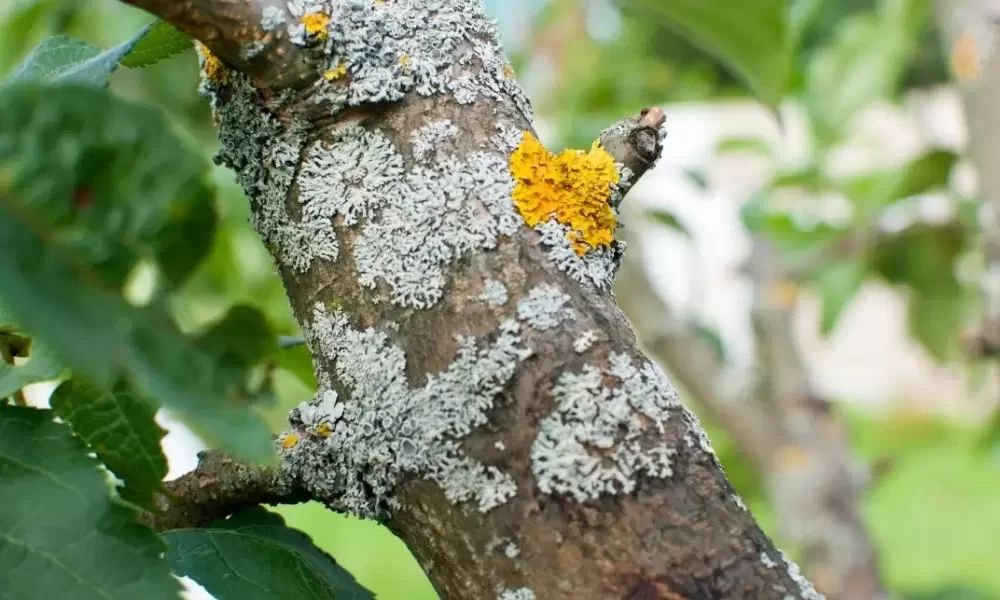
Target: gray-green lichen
{"points": [[517, 594], [545, 307], [494, 293], [585, 341], [389, 429], [597, 267], [430, 136], [806, 590], [602, 435], [389, 49]]}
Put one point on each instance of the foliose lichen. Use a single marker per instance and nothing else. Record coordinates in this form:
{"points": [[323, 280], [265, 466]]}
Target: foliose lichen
{"points": [[596, 267], [392, 48], [602, 435], [388, 429], [425, 139], [545, 307], [806, 589], [573, 187], [585, 341], [517, 594], [494, 293]]}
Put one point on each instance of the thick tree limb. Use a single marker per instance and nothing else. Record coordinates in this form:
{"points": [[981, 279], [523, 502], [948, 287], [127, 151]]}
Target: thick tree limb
{"points": [[793, 439], [481, 391], [231, 30], [219, 487]]}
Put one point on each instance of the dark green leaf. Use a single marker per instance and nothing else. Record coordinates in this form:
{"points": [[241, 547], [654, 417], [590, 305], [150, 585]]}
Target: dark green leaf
{"points": [[875, 190], [160, 43], [63, 59], [751, 37], [836, 285], [240, 342], [120, 428], [18, 344], [109, 178], [63, 536], [298, 361], [669, 220], [40, 366], [255, 555], [101, 337], [925, 173]]}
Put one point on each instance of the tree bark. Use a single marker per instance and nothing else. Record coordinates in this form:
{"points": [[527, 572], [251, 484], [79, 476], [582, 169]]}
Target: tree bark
{"points": [[793, 438], [481, 392]]}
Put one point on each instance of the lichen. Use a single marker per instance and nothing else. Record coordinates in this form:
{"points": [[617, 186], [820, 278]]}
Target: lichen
{"points": [[517, 594], [336, 72], [427, 138], [212, 67], [394, 48], [597, 267], [511, 551], [494, 293], [388, 430], [585, 341], [272, 18], [545, 307], [806, 590], [606, 430], [573, 187]]}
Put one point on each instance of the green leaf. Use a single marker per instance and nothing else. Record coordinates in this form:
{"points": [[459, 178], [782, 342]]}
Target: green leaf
{"points": [[669, 220], [240, 341], [863, 63], [42, 365], [103, 338], [750, 37], [298, 361], [63, 59], [255, 555], [108, 177], [61, 533], [925, 173], [874, 191], [161, 42], [753, 145], [711, 337], [836, 285], [935, 318], [120, 428], [11, 336]]}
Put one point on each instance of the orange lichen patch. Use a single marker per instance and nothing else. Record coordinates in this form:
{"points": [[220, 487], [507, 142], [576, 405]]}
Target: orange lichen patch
{"points": [[966, 59], [336, 73], [317, 24], [574, 187], [792, 458], [289, 440], [324, 430], [786, 293], [213, 68]]}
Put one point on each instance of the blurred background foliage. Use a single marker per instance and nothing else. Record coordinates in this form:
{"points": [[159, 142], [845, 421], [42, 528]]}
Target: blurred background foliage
{"points": [[935, 514]]}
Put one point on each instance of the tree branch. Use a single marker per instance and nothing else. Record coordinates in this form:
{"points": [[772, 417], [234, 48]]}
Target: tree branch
{"points": [[480, 391], [792, 438], [218, 487], [232, 30]]}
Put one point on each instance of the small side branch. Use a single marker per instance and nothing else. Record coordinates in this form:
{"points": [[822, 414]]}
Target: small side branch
{"points": [[232, 30], [219, 487]]}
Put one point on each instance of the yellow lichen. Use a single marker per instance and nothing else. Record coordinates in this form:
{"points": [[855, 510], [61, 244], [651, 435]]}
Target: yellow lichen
{"points": [[324, 430], [289, 440], [404, 61], [336, 73], [574, 187], [212, 67], [317, 24], [508, 71]]}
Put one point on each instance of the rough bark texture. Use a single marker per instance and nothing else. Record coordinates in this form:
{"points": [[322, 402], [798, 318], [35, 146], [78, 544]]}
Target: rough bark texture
{"points": [[480, 390], [217, 488], [793, 438]]}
